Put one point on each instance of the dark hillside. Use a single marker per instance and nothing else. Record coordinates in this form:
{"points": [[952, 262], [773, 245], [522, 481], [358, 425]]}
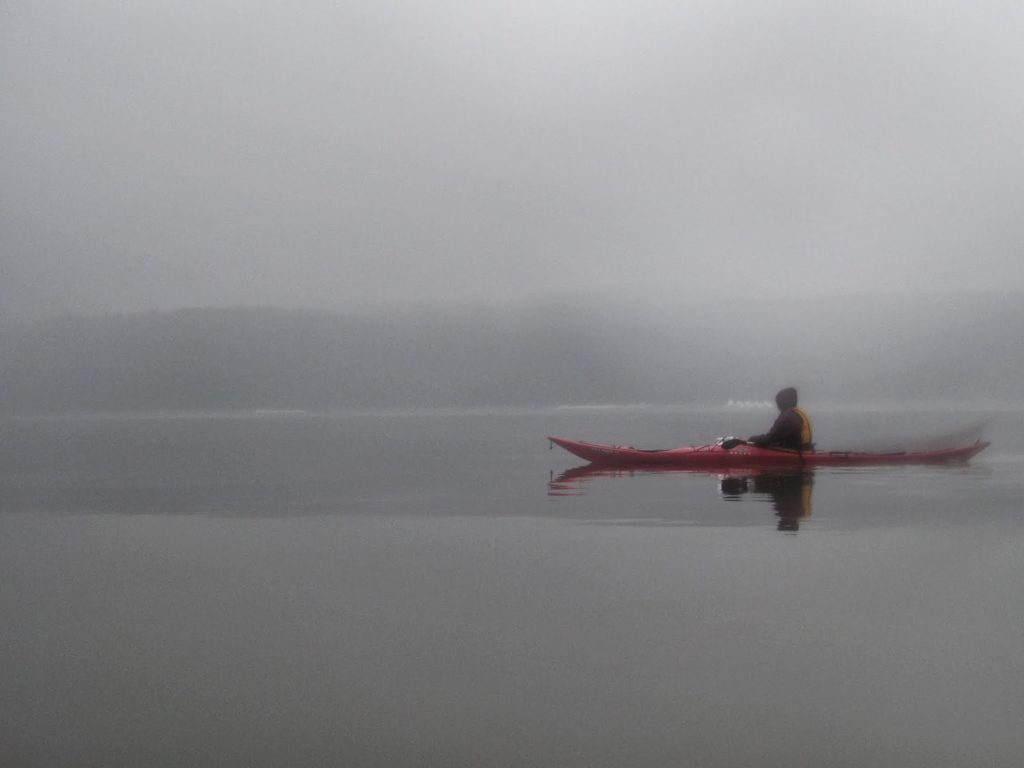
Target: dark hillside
{"points": [[968, 348]]}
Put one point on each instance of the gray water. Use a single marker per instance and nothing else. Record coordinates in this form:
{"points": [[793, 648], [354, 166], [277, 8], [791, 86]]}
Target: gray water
{"points": [[440, 589]]}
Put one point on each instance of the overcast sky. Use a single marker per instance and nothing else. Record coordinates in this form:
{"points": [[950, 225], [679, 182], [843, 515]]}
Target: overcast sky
{"points": [[164, 153]]}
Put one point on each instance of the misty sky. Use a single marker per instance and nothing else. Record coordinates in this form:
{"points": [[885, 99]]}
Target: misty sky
{"points": [[381, 152]]}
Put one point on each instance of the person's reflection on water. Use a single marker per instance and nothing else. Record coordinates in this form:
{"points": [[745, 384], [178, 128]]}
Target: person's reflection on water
{"points": [[790, 493]]}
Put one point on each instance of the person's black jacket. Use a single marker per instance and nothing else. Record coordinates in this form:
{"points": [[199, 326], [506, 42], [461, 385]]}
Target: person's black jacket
{"points": [[786, 432]]}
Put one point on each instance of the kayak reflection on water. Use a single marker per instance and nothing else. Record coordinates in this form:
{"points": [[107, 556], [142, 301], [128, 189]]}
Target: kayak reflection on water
{"points": [[789, 490], [790, 493]]}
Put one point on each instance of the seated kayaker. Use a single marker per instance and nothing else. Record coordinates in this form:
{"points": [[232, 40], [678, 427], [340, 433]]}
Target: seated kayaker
{"points": [[792, 429]]}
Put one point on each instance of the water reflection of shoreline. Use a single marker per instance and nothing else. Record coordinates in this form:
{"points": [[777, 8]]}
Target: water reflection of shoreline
{"points": [[789, 490]]}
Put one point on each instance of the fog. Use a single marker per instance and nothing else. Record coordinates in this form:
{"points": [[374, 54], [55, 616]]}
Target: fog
{"points": [[292, 293], [366, 155]]}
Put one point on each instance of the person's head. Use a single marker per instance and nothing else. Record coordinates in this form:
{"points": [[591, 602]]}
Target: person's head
{"points": [[786, 398]]}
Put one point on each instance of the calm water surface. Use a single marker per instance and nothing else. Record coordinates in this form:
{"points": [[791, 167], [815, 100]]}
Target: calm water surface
{"points": [[440, 589]]}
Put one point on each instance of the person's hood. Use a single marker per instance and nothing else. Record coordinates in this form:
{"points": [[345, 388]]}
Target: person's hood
{"points": [[786, 398]]}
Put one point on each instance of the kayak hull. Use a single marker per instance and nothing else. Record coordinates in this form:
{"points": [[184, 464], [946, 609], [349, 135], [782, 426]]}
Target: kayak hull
{"points": [[752, 456]]}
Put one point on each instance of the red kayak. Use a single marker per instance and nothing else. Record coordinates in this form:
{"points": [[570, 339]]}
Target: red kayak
{"points": [[751, 456]]}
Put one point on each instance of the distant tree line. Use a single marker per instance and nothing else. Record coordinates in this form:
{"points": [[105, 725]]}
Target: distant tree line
{"points": [[965, 348]]}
